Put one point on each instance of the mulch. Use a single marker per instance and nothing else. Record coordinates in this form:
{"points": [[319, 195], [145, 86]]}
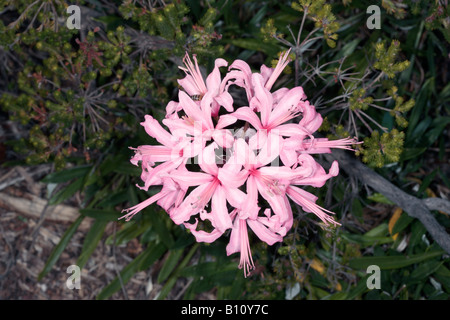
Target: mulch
{"points": [[28, 238]]}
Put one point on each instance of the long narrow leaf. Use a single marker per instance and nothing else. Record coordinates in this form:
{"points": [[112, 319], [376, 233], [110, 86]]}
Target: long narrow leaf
{"points": [[91, 241], [392, 262], [58, 250]]}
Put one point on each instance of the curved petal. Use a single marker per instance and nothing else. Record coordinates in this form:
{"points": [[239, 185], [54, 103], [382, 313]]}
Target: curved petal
{"points": [[190, 205], [243, 154], [154, 129], [207, 160], [264, 98], [263, 233], [286, 106], [188, 84], [278, 173], [298, 195], [219, 212], [223, 138], [235, 197], [271, 149], [188, 178], [247, 114], [234, 245], [213, 80], [225, 120], [203, 236], [225, 100]]}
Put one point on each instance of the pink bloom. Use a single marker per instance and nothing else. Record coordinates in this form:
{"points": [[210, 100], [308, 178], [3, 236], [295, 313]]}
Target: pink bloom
{"points": [[230, 173], [172, 153], [210, 93], [239, 243], [268, 229], [169, 196], [268, 181], [199, 124], [242, 74], [210, 187]]}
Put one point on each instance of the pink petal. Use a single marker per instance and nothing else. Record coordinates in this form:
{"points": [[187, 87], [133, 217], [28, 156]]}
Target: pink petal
{"points": [[279, 94], [189, 85], [219, 211], [264, 98], [279, 173], [243, 154], [213, 81], [271, 149], [154, 129], [234, 245], [263, 233], [192, 204], [203, 236], [286, 106], [266, 72], [297, 195], [291, 129], [225, 120], [225, 100], [247, 114], [282, 63], [207, 160], [189, 178], [223, 138], [235, 197]]}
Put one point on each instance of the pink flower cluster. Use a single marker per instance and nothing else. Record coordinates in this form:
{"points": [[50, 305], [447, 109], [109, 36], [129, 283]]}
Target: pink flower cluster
{"points": [[223, 165]]}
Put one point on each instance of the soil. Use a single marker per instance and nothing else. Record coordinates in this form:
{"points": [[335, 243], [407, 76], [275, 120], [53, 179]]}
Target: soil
{"points": [[27, 237]]}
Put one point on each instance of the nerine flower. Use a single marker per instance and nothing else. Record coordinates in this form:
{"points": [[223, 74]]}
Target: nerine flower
{"points": [[239, 159]]}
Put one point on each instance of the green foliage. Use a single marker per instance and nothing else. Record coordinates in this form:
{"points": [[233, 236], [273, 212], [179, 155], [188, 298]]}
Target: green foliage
{"points": [[386, 58], [358, 101], [381, 149], [322, 16]]}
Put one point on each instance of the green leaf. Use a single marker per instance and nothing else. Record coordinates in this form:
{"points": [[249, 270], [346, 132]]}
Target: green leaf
{"points": [[91, 241], [381, 230], [160, 227], [357, 208], [255, 45], [392, 262], [338, 296], [378, 197], [417, 231], [66, 192], [148, 256], [131, 230], [66, 175], [102, 214], [171, 262], [173, 278], [59, 248], [423, 270], [208, 268], [411, 153], [348, 49], [156, 252], [402, 223], [128, 169], [360, 288], [366, 241]]}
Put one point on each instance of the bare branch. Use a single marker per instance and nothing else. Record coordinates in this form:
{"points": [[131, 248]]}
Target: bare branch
{"points": [[414, 207]]}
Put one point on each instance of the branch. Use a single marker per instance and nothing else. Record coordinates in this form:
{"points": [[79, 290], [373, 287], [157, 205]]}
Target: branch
{"points": [[414, 207]]}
